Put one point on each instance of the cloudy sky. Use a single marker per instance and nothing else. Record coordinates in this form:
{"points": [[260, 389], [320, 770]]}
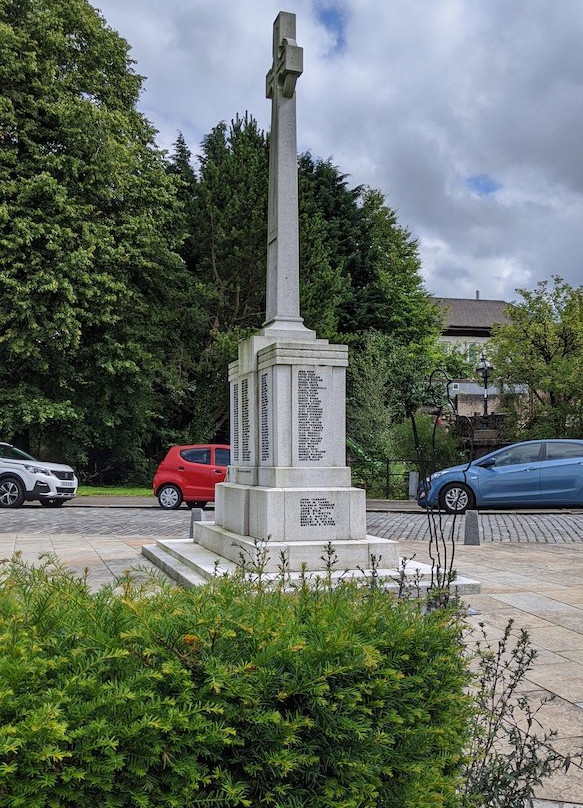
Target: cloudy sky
{"points": [[467, 114]]}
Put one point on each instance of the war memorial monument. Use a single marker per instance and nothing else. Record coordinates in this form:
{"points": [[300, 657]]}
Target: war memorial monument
{"points": [[288, 493]]}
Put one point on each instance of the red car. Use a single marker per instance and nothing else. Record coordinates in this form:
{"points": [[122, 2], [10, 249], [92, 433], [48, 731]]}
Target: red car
{"points": [[189, 474]]}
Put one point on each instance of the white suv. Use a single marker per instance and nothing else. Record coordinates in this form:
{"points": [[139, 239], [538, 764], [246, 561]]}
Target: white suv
{"points": [[22, 477]]}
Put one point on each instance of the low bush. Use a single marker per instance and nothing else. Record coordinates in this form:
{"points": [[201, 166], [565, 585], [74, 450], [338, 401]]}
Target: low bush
{"points": [[225, 695], [429, 448]]}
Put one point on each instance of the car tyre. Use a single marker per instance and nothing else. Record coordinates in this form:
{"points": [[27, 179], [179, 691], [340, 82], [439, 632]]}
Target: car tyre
{"points": [[456, 498], [170, 497], [12, 492], [52, 503]]}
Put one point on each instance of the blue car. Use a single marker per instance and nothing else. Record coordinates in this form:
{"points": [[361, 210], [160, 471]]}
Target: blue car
{"points": [[536, 473]]}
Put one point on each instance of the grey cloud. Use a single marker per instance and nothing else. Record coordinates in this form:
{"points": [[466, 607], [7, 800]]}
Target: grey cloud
{"points": [[420, 97]]}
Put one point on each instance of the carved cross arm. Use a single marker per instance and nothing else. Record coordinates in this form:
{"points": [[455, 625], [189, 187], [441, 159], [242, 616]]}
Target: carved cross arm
{"points": [[292, 65]]}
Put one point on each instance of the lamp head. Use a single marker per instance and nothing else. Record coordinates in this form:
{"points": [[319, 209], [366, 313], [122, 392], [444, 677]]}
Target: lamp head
{"points": [[483, 367]]}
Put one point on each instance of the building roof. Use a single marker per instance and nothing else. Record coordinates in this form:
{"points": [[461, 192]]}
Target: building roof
{"points": [[470, 317]]}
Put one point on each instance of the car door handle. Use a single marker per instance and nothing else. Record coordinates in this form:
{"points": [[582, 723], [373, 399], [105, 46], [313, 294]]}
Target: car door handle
{"points": [[180, 468], [218, 471], [530, 469]]}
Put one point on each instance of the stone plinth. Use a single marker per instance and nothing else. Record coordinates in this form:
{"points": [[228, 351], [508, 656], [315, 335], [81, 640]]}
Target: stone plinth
{"points": [[288, 485], [311, 555]]}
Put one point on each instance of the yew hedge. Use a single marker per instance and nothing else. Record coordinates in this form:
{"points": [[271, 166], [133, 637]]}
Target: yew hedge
{"points": [[225, 695]]}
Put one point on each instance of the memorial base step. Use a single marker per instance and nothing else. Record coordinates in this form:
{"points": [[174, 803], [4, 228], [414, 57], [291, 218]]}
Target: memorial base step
{"points": [[191, 565]]}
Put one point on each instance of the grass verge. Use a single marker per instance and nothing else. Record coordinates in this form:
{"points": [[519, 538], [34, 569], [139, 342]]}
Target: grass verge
{"points": [[113, 491]]}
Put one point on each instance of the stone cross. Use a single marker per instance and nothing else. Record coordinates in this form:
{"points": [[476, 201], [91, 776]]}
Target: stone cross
{"points": [[283, 294]]}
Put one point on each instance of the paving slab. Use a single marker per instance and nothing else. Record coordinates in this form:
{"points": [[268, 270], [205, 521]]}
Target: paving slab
{"points": [[523, 570]]}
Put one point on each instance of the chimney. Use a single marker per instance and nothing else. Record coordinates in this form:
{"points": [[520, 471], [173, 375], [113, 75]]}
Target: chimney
{"points": [[477, 294]]}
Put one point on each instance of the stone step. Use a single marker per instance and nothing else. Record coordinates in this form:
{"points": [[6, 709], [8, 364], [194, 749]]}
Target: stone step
{"points": [[350, 554], [197, 559], [172, 567], [189, 564]]}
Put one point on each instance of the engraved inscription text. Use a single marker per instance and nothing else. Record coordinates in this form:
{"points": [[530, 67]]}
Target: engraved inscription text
{"points": [[264, 402], [316, 511], [310, 425], [235, 417], [245, 429]]}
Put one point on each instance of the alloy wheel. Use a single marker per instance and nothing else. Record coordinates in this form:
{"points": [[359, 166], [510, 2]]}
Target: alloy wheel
{"points": [[9, 493], [456, 499]]}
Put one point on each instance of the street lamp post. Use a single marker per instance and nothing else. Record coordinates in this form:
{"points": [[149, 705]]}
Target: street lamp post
{"points": [[483, 369]]}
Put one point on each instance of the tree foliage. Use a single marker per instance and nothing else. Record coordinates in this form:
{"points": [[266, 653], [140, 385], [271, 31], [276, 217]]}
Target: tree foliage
{"points": [[90, 282], [541, 351], [127, 277]]}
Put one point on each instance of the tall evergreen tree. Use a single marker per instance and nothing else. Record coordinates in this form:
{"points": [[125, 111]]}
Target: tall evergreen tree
{"points": [[232, 200], [389, 295], [359, 269], [376, 259]]}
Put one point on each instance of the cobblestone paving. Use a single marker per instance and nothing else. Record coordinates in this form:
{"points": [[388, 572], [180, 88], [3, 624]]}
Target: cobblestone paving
{"points": [[97, 521], [548, 528]]}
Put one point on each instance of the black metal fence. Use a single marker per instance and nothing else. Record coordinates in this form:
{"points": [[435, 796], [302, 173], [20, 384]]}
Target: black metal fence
{"points": [[381, 478]]}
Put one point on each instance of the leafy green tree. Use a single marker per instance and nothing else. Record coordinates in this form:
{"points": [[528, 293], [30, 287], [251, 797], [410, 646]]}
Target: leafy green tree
{"points": [[329, 234], [225, 208], [90, 281], [389, 382], [430, 445], [541, 350], [459, 362], [231, 194], [369, 417], [376, 262]]}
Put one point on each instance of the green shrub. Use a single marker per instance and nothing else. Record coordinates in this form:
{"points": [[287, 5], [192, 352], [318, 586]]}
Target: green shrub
{"points": [[225, 695], [437, 447]]}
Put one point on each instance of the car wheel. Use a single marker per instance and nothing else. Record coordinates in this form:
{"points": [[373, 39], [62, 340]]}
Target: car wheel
{"points": [[170, 497], [52, 503], [456, 498], [11, 493]]}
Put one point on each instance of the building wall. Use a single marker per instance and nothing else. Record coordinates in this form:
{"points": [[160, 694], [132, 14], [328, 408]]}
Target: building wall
{"points": [[465, 343], [472, 403]]}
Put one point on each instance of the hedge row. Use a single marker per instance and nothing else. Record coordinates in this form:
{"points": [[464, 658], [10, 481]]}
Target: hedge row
{"points": [[225, 695]]}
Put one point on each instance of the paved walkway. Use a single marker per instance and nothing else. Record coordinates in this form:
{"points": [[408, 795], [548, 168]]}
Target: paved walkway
{"points": [[530, 566], [539, 586]]}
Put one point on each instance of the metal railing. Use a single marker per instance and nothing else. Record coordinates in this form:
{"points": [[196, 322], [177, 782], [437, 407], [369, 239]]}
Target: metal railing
{"points": [[381, 478]]}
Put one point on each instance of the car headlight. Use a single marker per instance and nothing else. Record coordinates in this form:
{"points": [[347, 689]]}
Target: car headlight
{"points": [[434, 476], [38, 470]]}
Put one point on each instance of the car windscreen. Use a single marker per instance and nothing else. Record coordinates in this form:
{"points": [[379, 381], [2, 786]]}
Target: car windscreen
{"points": [[11, 453]]}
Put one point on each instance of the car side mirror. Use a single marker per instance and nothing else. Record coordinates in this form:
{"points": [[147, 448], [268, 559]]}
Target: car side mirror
{"points": [[486, 464]]}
